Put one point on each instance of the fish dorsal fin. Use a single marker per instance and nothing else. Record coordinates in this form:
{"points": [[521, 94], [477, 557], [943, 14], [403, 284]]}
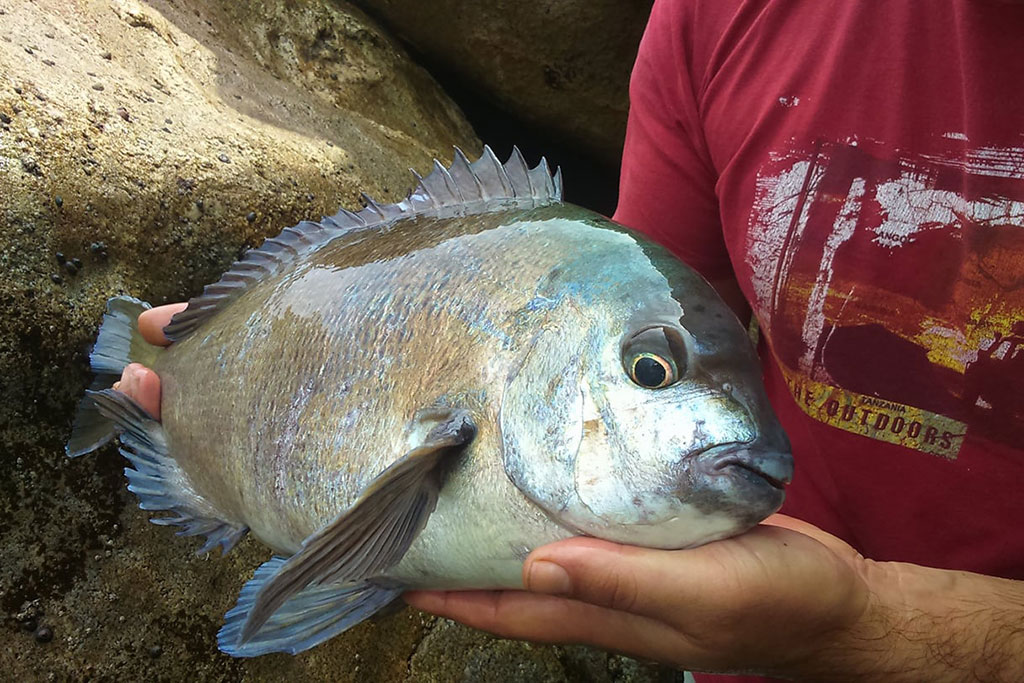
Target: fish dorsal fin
{"points": [[463, 188]]}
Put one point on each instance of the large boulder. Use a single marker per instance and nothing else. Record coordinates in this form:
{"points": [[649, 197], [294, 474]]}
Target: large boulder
{"points": [[142, 146], [562, 65]]}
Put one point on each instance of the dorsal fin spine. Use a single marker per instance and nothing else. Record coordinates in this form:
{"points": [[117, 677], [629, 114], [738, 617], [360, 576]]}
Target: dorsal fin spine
{"points": [[373, 206], [526, 169], [421, 188], [450, 185], [501, 173], [279, 243], [483, 186], [299, 235], [472, 183], [354, 218]]}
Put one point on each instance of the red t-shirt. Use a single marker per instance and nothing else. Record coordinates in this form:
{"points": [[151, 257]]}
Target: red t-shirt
{"points": [[859, 166]]}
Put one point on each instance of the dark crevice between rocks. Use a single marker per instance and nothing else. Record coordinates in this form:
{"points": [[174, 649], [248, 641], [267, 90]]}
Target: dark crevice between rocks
{"points": [[588, 181]]}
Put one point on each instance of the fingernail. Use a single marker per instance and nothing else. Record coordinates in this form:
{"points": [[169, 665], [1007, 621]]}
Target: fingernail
{"points": [[547, 577], [137, 373]]}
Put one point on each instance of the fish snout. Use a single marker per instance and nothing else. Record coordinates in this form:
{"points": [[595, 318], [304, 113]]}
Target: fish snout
{"points": [[753, 461], [775, 467]]}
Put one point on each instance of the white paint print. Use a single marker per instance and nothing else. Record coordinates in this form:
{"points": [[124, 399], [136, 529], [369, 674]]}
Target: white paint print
{"points": [[908, 205], [814, 323], [775, 205], [880, 274], [995, 162], [911, 206]]}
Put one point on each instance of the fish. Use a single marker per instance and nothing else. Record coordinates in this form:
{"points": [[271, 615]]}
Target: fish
{"points": [[418, 394]]}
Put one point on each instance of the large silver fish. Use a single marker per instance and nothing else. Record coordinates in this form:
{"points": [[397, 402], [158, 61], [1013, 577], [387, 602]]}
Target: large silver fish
{"points": [[418, 394]]}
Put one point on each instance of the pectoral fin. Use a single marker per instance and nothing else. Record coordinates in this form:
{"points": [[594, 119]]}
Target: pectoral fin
{"points": [[375, 532]]}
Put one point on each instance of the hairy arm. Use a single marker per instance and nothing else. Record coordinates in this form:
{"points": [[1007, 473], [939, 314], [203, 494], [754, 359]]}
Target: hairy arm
{"points": [[939, 625]]}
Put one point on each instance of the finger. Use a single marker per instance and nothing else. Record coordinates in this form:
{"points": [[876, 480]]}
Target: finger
{"points": [[618, 577], [153, 322], [142, 385], [833, 543], [147, 389], [787, 522], [551, 619]]}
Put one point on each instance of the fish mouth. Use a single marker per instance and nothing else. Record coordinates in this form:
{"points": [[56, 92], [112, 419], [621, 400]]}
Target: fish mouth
{"points": [[752, 462]]}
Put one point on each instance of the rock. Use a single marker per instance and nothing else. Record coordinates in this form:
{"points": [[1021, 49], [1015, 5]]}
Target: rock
{"points": [[310, 103], [562, 65], [450, 652]]}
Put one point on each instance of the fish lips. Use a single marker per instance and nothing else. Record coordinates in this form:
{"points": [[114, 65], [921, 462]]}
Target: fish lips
{"points": [[753, 462], [754, 473]]}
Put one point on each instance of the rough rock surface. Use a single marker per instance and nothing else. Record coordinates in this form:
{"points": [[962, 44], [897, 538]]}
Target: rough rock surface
{"points": [[141, 147], [561, 64]]}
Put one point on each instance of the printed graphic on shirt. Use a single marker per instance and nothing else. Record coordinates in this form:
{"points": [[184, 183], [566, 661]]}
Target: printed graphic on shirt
{"points": [[892, 288]]}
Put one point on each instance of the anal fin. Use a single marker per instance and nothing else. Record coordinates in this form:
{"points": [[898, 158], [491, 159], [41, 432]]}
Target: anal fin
{"points": [[311, 616], [156, 478]]}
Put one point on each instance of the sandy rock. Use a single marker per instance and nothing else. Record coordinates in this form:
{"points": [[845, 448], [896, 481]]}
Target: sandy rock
{"points": [[450, 652], [562, 65]]}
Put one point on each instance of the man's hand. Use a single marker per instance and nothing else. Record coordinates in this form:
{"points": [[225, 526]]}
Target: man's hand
{"points": [[739, 604], [139, 382], [783, 599]]}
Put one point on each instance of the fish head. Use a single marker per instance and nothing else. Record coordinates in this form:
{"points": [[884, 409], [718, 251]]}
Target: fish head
{"points": [[643, 419]]}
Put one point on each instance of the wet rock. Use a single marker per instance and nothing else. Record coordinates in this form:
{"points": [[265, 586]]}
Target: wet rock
{"points": [[30, 165], [561, 64], [450, 652]]}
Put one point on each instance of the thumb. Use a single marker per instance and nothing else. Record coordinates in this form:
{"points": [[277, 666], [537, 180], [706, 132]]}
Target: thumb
{"points": [[153, 321], [619, 577]]}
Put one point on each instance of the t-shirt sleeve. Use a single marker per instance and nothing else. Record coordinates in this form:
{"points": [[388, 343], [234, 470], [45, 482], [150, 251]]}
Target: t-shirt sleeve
{"points": [[667, 184]]}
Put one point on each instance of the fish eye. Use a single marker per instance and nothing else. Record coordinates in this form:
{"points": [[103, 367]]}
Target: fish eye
{"points": [[655, 357], [652, 371]]}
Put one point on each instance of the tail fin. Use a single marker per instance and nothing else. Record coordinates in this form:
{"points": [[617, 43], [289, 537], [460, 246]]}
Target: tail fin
{"points": [[118, 344]]}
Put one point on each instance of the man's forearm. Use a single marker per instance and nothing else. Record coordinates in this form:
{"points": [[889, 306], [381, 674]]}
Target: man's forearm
{"points": [[935, 625]]}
